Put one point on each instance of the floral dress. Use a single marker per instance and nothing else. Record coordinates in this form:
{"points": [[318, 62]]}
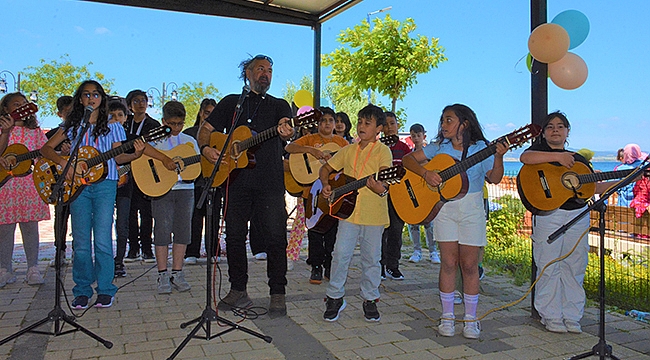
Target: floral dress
{"points": [[20, 201]]}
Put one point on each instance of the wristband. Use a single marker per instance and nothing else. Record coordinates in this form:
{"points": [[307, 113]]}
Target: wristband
{"points": [[384, 193]]}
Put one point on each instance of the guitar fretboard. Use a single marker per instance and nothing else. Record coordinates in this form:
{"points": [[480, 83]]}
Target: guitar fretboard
{"points": [[92, 162], [601, 176], [472, 160], [349, 187], [28, 156]]}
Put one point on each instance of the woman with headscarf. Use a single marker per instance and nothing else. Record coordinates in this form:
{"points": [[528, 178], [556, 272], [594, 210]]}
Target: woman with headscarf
{"points": [[632, 157]]}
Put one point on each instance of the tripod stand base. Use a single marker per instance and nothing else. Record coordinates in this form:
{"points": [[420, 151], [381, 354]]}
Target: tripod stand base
{"points": [[60, 318], [204, 322], [601, 349]]}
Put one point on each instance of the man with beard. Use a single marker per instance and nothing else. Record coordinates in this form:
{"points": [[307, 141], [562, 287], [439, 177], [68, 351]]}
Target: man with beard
{"points": [[256, 192]]}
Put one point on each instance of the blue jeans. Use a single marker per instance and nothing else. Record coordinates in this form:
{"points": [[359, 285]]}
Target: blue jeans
{"points": [[370, 243], [92, 213]]}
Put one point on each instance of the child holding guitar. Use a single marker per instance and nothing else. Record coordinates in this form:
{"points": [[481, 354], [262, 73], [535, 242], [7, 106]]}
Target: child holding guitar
{"points": [[459, 227], [367, 221], [320, 245], [20, 203], [559, 297], [92, 210], [172, 212]]}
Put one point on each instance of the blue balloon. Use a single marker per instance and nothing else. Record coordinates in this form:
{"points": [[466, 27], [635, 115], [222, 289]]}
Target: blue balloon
{"points": [[575, 23]]}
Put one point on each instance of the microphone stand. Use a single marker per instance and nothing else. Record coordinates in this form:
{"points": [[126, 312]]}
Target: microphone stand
{"points": [[601, 349], [209, 314], [57, 314]]}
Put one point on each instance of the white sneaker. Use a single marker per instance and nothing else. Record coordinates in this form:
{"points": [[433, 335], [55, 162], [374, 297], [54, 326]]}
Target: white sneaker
{"points": [[472, 329], [458, 297], [573, 326], [6, 277], [554, 325], [434, 257], [416, 257], [34, 276], [447, 327], [289, 264], [190, 260], [260, 256]]}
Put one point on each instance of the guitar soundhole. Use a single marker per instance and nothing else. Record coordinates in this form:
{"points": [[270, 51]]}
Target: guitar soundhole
{"points": [[234, 150], [570, 181]]}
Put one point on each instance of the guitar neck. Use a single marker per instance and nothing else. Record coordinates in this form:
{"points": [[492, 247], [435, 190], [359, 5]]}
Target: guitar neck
{"points": [[28, 155], [349, 187], [474, 159], [602, 176], [258, 139], [105, 156], [191, 160]]}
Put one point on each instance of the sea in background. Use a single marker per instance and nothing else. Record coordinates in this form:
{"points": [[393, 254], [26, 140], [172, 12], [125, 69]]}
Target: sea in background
{"points": [[511, 168]]}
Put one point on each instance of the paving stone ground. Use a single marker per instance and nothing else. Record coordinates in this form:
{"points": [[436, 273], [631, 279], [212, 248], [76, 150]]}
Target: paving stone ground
{"points": [[145, 325]]}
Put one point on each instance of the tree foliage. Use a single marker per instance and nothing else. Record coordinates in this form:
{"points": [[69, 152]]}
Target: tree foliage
{"points": [[385, 59], [191, 94], [56, 78]]}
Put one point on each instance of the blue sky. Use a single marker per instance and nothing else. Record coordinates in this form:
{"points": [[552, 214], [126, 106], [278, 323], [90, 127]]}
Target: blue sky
{"points": [[483, 41]]}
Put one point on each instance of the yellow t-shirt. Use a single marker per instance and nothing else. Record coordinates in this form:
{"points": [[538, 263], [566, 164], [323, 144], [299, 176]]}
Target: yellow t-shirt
{"points": [[370, 208]]}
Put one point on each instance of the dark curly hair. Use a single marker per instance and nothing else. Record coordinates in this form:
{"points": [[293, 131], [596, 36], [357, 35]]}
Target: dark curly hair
{"points": [[472, 132], [74, 119]]}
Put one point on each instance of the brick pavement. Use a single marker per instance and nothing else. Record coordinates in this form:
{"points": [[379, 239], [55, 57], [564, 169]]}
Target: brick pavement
{"points": [[145, 325]]}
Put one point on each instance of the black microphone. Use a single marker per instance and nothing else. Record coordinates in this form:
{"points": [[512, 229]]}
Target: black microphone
{"points": [[87, 111], [243, 95]]}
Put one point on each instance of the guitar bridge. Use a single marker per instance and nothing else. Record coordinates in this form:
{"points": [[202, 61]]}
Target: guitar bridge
{"points": [[154, 172], [544, 183], [409, 189]]}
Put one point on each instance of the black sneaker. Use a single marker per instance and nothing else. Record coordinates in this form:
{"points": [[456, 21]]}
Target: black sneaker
{"points": [[333, 308], [104, 301], [316, 275], [327, 273], [119, 270], [132, 257], [370, 311], [148, 258], [383, 272], [481, 272], [394, 274], [80, 302]]}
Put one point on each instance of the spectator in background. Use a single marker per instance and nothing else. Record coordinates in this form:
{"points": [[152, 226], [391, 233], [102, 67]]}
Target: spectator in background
{"points": [[632, 157]]}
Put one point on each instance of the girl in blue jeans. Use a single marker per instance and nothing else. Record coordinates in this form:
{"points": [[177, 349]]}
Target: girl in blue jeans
{"points": [[92, 211]]}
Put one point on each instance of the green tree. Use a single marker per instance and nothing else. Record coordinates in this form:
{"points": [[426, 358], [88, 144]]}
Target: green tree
{"points": [[290, 88], [56, 78], [385, 59], [191, 94]]}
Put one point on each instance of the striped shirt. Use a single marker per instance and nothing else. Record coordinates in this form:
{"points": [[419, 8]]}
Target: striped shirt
{"points": [[103, 144]]}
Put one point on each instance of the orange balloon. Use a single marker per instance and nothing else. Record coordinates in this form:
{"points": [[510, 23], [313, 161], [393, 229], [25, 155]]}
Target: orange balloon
{"points": [[568, 73], [548, 43]]}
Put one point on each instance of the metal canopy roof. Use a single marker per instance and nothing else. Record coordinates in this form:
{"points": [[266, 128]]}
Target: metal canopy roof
{"points": [[296, 12]]}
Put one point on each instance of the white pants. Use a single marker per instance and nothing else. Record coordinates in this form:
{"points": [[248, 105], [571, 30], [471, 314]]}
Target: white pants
{"points": [[559, 293]]}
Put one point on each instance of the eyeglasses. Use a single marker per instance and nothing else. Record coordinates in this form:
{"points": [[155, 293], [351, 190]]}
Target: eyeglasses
{"points": [[263, 57], [139, 101], [175, 123], [94, 95]]}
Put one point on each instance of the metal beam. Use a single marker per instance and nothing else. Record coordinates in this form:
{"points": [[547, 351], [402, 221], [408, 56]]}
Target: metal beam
{"points": [[227, 8]]}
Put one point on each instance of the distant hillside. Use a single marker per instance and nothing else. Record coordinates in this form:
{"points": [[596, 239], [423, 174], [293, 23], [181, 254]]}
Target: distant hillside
{"points": [[606, 155]]}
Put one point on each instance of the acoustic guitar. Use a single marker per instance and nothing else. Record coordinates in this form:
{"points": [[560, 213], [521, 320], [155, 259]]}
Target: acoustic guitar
{"points": [[155, 180], [305, 166], [46, 172], [321, 214], [545, 187], [17, 154], [240, 151], [416, 202], [123, 174]]}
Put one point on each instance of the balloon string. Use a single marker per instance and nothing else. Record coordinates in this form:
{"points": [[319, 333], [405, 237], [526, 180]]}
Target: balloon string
{"points": [[517, 63]]}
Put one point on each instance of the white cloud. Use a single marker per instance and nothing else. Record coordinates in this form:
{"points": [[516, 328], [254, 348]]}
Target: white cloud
{"points": [[102, 31], [79, 29], [510, 125], [492, 127]]}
